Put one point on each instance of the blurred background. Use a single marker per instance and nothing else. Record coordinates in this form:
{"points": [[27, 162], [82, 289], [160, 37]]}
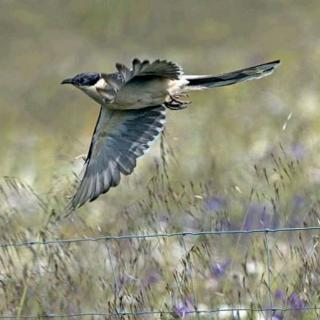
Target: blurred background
{"points": [[244, 156]]}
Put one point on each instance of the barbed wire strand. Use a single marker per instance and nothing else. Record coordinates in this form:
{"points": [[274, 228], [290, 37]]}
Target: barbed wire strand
{"points": [[155, 235]]}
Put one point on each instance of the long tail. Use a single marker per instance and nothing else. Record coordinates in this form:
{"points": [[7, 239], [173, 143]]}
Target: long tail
{"points": [[199, 82]]}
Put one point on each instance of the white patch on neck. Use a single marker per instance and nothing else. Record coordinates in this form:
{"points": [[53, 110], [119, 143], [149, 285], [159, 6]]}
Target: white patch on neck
{"points": [[100, 84], [92, 92]]}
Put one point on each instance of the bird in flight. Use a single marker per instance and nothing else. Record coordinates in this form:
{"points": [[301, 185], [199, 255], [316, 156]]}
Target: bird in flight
{"points": [[133, 113]]}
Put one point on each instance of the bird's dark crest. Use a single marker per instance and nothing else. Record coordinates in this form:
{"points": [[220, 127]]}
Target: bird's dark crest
{"points": [[86, 79]]}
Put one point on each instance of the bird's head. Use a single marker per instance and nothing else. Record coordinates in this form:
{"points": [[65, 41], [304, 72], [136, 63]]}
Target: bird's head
{"points": [[86, 79], [89, 83]]}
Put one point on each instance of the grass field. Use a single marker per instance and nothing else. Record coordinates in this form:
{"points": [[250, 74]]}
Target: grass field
{"points": [[243, 157]]}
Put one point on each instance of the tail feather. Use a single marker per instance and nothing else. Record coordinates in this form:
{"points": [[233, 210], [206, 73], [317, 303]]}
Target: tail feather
{"points": [[200, 82]]}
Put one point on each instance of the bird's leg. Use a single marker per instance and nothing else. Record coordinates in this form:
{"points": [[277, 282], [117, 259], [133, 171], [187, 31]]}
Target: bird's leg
{"points": [[176, 103]]}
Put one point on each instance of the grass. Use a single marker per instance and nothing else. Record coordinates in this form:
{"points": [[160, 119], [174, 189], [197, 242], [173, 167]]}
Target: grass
{"points": [[176, 274]]}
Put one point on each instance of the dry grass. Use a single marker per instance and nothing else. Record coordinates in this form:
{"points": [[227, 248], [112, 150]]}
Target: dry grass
{"points": [[175, 274]]}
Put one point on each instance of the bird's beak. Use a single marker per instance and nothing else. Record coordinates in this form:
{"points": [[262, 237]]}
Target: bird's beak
{"points": [[67, 81]]}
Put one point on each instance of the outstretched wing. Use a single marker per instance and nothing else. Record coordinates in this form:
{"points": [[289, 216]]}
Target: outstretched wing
{"points": [[141, 70], [120, 137], [158, 68]]}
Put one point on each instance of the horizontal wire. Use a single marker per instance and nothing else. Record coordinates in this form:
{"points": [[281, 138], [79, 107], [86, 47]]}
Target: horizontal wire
{"points": [[155, 235], [148, 313]]}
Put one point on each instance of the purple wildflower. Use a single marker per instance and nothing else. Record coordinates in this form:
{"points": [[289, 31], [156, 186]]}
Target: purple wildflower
{"points": [[298, 151], [151, 278], [265, 219], [280, 295], [218, 270], [298, 201], [257, 217], [295, 302], [277, 316], [122, 281], [215, 204], [182, 308]]}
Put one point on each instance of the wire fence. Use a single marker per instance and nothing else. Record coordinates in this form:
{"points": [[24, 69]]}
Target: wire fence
{"points": [[233, 312], [156, 235]]}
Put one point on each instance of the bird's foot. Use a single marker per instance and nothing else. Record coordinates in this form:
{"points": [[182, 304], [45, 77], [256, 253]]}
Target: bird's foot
{"points": [[176, 103]]}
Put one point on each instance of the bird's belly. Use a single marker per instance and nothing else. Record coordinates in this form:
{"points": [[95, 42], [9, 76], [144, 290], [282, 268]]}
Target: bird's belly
{"points": [[141, 94]]}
